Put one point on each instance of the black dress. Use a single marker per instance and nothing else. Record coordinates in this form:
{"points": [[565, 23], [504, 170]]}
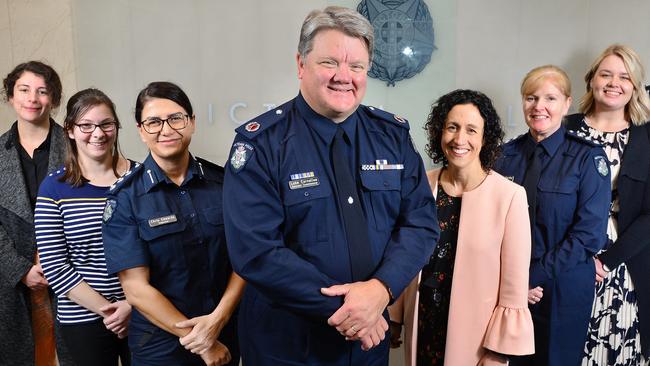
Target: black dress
{"points": [[435, 285]]}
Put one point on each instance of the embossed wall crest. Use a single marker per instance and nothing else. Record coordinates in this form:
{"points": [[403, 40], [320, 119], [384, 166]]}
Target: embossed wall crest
{"points": [[404, 39]]}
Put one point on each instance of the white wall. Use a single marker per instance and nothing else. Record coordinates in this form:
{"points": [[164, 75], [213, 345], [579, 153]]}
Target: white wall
{"points": [[221, 53], [499, 41]]}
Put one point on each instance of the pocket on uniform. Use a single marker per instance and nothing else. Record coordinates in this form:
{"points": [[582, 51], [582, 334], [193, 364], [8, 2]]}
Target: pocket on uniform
{"points": [[213, 215], [307, 212], [165, 243], [383, 187]]}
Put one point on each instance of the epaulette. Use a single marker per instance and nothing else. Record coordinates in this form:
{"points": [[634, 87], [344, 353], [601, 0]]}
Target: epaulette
{"points": [[58, 172], [210, 169], [386, 116], [581, 137], [255, 126], [127, 177]]}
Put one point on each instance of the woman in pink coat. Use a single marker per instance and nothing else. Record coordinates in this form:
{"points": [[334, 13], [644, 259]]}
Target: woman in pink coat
{"points": [[469, 305]]}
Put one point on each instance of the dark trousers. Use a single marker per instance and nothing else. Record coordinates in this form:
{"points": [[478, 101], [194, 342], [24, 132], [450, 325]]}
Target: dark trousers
{"points": [[91, 344]]}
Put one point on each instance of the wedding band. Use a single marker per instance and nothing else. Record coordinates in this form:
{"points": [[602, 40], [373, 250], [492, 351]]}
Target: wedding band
{"points": [[354, 330]]}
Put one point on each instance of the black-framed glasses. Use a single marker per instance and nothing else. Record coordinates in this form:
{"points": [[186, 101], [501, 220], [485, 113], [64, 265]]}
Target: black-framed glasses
{"points": [[177, 121], [90, 127]]}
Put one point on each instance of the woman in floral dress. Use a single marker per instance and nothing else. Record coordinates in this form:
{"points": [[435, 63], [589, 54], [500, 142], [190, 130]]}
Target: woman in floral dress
{"points": [[614, 112]]}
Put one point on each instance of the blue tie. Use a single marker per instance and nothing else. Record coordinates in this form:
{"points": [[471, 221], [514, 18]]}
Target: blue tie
{"points": [[354, 219], [531, 180]]}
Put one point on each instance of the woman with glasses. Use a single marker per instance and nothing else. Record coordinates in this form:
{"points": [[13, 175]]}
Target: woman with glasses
{"points": [[32, 147], [164, 237], [91, 308]]}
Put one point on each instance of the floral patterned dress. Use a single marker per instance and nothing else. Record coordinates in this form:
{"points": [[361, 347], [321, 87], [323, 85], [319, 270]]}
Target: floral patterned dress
{"points": [[435, 285], [613, 337]]}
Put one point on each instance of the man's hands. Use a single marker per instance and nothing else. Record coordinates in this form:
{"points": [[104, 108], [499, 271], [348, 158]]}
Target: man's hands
{"points": [[360, 316]]}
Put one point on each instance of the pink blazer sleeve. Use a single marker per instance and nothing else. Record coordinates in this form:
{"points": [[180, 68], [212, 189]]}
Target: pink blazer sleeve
{"points": [[510, 330]]}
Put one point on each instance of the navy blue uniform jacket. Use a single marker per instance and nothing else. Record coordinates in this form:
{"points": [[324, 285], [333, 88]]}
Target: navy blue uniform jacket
{"points": [[573, 197], [286, 237], [176, 231]]}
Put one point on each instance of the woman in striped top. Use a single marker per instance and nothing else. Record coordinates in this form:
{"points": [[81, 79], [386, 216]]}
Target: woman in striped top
{"points": [[92, 308]]}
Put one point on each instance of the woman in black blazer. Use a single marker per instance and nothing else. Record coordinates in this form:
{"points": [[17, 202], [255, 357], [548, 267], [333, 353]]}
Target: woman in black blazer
{"points": [[614, 112]]}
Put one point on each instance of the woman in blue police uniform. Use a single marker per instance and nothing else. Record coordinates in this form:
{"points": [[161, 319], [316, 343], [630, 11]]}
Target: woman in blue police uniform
{"points": [[164, 236], [567, 184]]}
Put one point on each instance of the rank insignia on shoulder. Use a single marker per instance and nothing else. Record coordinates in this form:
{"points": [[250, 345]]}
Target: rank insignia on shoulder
{"points": [[252, 126], [303, 180], [241, 153], [382, 165], [601, 165], [109, 209], [399, 119]]}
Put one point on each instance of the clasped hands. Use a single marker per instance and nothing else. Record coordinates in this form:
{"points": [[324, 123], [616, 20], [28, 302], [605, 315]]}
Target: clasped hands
{"points": [[202, 339], [360, 316]]}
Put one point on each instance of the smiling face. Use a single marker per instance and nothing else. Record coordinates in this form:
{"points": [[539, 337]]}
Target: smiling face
{"points": [[31, 99], [333, 75], [167, 144], [462, 137], [544, 107], [96, 145], [611, 85]]}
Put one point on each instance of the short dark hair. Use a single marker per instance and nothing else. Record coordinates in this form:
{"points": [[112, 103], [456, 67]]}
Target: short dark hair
{"points": [[77, 106], [492, 130], [162, 90], [51, 78]]}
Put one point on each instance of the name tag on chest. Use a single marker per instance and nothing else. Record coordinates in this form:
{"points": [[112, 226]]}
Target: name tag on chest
{"points": [[162, 220], [304, 183]]}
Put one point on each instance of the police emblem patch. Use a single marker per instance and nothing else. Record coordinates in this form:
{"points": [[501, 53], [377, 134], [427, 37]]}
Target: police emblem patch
{"points": [[109, 209], [241, 152], [601, 165], [252, 126], [404, 38]]}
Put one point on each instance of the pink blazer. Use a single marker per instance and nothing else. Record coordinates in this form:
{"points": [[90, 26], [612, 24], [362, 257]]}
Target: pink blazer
{"points": [[488, 306]]}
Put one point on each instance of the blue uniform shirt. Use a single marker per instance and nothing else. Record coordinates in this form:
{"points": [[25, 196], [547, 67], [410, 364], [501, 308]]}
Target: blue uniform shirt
{"points": [[573, 198], [176, 231], [285, 232]]}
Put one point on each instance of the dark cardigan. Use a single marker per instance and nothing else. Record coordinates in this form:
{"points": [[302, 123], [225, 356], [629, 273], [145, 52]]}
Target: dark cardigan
{"points": [[633, 244]]}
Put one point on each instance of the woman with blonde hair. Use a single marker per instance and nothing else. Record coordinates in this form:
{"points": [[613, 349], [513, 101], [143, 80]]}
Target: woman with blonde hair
{"points": [[613, 113], [567, 186]]}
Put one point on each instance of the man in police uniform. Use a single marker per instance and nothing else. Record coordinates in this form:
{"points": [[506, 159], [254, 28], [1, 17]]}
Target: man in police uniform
{"points": [[329, 213]]}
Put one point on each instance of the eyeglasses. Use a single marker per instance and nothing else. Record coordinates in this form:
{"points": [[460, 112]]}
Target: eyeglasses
{"points": [[177, 121], [90, 127]]}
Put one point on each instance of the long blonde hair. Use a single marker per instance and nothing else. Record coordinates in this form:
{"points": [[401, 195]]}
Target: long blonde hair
{"points": [[637, 109]]}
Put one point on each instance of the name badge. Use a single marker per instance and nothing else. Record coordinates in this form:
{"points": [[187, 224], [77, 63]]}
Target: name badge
{"points": [[162, 220], [304, 183]]}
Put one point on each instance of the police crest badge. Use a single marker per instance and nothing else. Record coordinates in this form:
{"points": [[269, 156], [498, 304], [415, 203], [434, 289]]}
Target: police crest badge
{"points": [[601, 165], [109, 209], [404, 38], [241, 153]]}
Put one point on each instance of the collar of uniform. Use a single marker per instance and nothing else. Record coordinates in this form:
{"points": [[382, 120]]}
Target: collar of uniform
{"points": [[325, 127], [154, 175], [14, 138], [550, 144]]}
